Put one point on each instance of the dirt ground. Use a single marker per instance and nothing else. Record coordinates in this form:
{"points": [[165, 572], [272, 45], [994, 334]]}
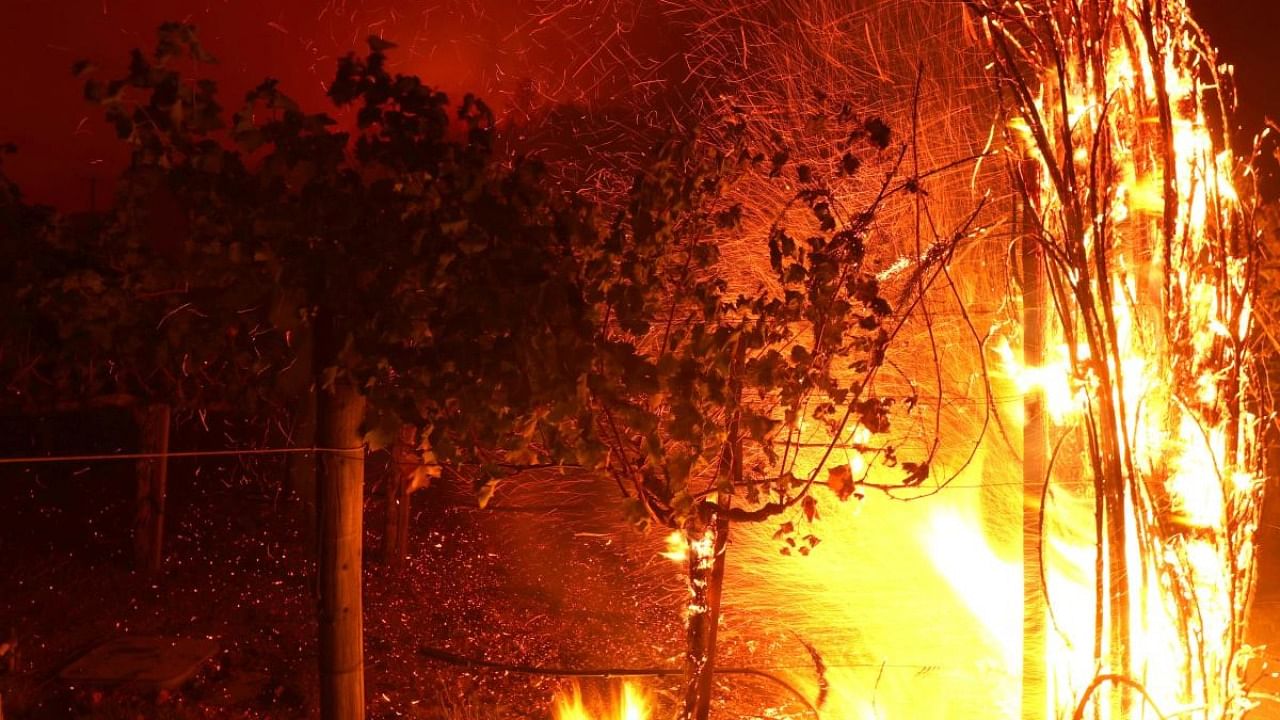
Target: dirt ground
{"points": [[545, 577], [525, 582]]}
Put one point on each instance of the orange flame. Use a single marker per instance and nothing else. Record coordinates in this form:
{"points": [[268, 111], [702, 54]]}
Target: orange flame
{"points": [[1172, 294], [628, 702]]}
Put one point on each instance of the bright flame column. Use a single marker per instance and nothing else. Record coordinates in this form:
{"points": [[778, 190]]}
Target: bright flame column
{"points": [[1149, 263]]}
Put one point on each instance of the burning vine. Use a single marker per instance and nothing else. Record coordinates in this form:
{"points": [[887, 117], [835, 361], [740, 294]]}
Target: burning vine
{"points": [[1138, 217]]}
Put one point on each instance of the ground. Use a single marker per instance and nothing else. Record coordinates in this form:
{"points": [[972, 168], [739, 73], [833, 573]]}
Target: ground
{"points": [[523, 582], [547, 577]]}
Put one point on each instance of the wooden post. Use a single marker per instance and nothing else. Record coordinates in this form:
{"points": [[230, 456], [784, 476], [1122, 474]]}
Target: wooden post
{"points": [[341, 484], [152, 479], [1035, 449], [395, 542]]}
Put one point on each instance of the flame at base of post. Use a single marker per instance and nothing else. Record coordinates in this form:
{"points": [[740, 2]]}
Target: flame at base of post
{"points": [[627, 701]]}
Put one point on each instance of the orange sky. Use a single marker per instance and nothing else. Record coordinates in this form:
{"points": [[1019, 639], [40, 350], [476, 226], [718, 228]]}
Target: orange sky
{"points": [[458, 45]]}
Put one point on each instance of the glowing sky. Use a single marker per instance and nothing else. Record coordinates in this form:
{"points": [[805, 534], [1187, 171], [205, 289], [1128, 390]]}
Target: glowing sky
{"points": [[569, 50]]}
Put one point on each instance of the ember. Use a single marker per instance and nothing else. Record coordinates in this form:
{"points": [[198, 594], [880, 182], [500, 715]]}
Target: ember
{"points": [[1148, 254], [887, 360]]}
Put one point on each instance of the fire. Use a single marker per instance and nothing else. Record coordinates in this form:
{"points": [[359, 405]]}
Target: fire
{"points": [[988, 583], [629, 702], [1143, 375], [677, 547], [1147, 251], [1065, 395], [1153, 488]]}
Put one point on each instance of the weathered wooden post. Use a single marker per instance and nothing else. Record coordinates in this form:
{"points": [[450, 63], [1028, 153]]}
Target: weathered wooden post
{"points": [[152, 481], [395, 542], [341, 498]]}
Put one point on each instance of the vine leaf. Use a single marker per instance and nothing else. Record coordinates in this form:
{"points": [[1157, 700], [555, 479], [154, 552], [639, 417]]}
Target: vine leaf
{"points": [[810, 508], [917, 473], [840, 480]]}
